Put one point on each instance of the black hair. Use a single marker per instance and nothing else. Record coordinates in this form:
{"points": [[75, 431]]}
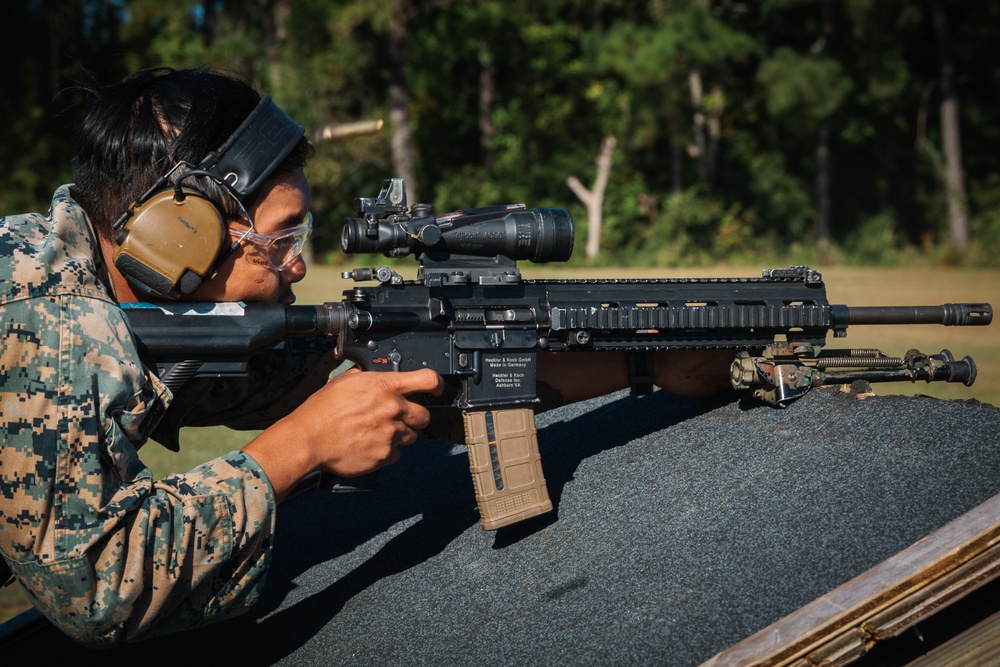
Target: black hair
{"points": [[133, 132]]}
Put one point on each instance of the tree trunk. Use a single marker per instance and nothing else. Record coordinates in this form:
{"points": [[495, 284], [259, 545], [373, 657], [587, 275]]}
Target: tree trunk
{"points": [[677, 151], [274, 15], [823, 186], [402, 140], [951, 142], [697, 149], [676, 164], [487, 91], [823, 145], [716, 106], [54, 42], [593, 199]]}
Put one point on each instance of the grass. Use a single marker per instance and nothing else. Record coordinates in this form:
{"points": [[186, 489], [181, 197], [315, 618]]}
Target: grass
{"points": [[845, 285]]}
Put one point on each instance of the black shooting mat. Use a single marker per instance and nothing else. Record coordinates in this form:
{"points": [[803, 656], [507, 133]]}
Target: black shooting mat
{"points": [[681, 527]]}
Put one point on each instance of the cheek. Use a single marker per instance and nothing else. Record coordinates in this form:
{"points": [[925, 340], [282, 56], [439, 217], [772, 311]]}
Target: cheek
{"points": [[251, 282], [240, 279], [252, 256]]}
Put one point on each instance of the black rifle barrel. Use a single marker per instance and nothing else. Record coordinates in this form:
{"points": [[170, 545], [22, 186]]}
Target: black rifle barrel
{"points": [[949, 314]]}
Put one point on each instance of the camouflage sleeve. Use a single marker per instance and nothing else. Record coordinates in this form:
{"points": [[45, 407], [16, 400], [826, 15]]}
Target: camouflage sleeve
{"points": [[104, 551]]}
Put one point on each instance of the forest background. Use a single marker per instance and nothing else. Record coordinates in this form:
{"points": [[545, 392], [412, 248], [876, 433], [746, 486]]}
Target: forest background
{"points": [[677, 132], [696, 132]]}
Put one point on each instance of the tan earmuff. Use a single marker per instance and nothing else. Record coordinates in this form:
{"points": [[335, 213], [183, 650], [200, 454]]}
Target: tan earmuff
{"points": [[171, 242]]}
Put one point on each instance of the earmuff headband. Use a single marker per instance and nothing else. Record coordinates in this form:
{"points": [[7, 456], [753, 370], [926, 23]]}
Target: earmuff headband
{"points": [[255, 149]]}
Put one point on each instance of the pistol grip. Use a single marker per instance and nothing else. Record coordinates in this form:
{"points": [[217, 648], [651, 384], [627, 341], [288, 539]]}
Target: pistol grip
{"points": [[506, 466]]}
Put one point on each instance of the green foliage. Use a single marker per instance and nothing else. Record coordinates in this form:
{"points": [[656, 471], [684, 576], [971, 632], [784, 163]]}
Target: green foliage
{"points": [[672, 231], [875, 241], [778, 195], [809, 88], [716, 107], [985, 223]]}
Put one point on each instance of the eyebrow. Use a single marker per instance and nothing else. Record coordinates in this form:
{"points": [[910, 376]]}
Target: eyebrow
{"points": [[294, 221]]}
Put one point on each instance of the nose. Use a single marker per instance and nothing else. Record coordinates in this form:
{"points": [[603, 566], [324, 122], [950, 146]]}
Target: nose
{"points": [[295, 271]]}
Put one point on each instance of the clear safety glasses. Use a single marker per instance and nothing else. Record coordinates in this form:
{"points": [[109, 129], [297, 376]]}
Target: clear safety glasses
{"points": [[279, 249]]}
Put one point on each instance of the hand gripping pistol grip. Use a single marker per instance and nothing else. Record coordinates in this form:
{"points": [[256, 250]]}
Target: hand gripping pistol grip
{"points": [[505, 465]]}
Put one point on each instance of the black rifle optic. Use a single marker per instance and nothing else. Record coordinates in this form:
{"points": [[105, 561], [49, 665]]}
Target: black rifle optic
{"points": [[471, 317]]}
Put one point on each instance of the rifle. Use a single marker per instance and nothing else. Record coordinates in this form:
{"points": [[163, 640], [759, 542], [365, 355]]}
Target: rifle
{"points": [[470, 316]]}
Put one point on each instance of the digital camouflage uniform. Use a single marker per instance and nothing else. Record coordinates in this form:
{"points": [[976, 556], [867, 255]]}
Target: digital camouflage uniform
{"points": [[102, 549]]}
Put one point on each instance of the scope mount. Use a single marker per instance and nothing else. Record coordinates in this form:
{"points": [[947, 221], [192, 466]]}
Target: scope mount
{"points": [[468, 270]]}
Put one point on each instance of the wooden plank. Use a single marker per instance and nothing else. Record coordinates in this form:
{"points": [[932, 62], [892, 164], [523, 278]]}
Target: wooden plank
{"points": [[841, 625], [906, 613], [979, 646]]}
